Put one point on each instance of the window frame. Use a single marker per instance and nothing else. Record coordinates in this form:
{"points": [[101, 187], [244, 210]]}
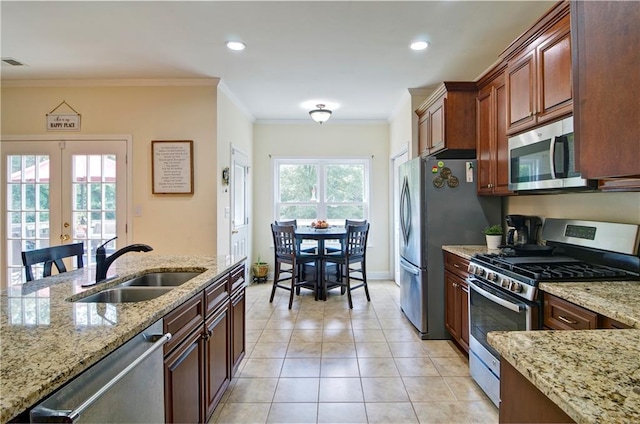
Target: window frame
{"points": [[322, 163]]}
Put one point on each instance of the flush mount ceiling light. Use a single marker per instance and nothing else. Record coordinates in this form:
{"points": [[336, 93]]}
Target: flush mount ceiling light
{"points": [[320, 114], [419, 45], [236, 45]]}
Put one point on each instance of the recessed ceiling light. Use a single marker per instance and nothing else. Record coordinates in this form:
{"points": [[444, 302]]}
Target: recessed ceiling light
{"points": [[419, 45], [236, 45]]}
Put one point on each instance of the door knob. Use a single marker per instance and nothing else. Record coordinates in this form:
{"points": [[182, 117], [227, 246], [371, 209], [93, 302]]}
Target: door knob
{"points": [[65, 237], [66, 225], [234, 232]]}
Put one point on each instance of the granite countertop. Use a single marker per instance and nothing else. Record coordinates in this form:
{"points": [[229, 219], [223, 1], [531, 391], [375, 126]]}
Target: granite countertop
{"points": [[592, 375], [47, 340], [467, 251], [619, 300]]}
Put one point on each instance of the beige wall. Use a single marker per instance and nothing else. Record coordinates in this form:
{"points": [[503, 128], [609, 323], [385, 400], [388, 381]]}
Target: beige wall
{"points": [[613, 207], [235, 127], [328, 140], [145, 110]]}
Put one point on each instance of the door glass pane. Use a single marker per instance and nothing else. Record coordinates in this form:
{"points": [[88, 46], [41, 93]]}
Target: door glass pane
{"points": [[94, 201], [27, 211], [239, 197]]}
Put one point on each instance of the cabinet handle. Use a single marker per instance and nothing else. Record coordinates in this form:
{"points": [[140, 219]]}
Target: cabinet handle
{"points": [[456, 265], [566, 320]]}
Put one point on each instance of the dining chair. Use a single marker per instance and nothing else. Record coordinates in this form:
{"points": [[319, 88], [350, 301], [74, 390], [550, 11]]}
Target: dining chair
{"points": [[52, 256], [287, 252], [351, 261]]}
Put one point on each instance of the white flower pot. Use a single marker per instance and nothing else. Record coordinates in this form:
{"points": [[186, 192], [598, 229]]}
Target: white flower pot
{"points": [[493, 241]]}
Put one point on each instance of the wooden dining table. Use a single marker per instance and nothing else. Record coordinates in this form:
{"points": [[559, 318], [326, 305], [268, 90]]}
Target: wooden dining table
{"points": [[320, 235]]}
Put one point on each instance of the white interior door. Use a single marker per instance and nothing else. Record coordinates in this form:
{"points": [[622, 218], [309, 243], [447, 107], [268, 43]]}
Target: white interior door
{"points": [[239, 203], [58, 192]]}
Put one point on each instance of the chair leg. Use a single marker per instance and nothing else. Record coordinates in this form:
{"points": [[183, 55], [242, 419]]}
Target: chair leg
{"points": [[364, 280], [293, 287], [276, 276], [348, 286]]}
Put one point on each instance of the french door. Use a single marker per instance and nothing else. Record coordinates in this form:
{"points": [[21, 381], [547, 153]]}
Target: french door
{"points": [[58, 192]]}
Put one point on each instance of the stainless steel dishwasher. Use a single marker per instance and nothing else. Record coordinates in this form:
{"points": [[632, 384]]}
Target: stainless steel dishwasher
{"points": [[125, 387]]}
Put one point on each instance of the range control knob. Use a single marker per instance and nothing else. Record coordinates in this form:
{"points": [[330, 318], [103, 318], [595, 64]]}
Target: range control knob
{"points": [[480, 272], [492, 276], [505, 283], [515, 287], [471, 269]]}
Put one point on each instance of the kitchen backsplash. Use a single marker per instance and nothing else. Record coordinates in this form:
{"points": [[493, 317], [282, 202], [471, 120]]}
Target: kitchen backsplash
{"points": [[612, 207]]}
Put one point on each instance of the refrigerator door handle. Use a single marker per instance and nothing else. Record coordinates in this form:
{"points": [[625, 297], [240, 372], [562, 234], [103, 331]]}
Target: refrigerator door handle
{"points": [[408, 267], [405, 210]]}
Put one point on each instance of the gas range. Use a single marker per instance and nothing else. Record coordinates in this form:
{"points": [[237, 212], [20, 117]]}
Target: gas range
{"points": [[576, 256], [521, 274]]}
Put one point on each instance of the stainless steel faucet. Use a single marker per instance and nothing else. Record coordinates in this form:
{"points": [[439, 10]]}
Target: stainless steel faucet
{"points": [[103, 262]]}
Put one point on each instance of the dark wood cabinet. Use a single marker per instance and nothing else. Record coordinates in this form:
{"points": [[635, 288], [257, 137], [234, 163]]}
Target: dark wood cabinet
{"points": [[560, 314], [522, 402], [446, 120], [457, 299], [539, 84], [183, 381], [492, 148], [208, 344], [217, 357], [607, 90]]}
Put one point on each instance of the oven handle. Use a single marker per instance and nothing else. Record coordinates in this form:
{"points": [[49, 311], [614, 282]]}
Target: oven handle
{"points": [[515, 307]]}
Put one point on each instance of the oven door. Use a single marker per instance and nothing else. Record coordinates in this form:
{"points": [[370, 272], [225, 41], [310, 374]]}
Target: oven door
{"points": [[493, 309]]}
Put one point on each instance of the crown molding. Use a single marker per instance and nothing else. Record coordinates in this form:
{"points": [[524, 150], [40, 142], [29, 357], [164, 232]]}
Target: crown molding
{"points": [[171, 82]]}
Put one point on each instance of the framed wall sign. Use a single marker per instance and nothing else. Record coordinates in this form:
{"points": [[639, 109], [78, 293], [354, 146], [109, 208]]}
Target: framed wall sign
{"points": [[172, 167]]}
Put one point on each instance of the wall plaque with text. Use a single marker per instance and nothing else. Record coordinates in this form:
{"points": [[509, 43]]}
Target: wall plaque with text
{"points": [[172, 167]]}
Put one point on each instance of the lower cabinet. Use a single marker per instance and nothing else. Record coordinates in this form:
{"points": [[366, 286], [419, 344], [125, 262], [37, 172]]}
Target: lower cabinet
{"points": [[560, 314], [522, 402], [457, 299], [208, 345]]}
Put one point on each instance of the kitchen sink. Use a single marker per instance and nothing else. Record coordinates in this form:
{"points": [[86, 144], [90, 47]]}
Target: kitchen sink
{"points": [[160, 279], [125, 294]]}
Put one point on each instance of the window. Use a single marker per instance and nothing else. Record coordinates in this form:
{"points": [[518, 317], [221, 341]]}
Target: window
{"points": [[332, 189]]}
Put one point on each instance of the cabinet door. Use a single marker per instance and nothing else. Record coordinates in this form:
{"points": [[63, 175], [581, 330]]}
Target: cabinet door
{"points": [[183, 383], [484, 140], [464, 315], [452, 310], [436, 126], [423, 134], [521, 89], [607, 87], [501, 181], [238, 305], [217, 357], [554, 75]]}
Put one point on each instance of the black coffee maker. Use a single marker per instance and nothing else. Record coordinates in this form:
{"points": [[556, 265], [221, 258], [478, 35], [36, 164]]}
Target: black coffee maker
{"points": [[524, 230]]}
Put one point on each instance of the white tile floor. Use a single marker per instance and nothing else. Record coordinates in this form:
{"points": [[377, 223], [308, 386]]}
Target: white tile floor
{"points": [[323, 363]]}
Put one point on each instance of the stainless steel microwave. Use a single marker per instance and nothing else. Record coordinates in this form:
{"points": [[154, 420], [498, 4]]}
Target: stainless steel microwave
{"points": [[544, 158]]}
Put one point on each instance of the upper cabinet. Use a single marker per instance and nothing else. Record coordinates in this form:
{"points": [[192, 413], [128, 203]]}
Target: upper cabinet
{"points": [[607, 90], [491, 133], [538, 76], [446, 120]]}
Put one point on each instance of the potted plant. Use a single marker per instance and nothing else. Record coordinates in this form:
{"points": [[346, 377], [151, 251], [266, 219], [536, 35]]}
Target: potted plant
{"points": [[260, 270], [493, 235]]}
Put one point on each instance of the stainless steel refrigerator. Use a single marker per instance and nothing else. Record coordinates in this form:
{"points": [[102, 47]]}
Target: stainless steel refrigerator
{"points": [[439, 206]]}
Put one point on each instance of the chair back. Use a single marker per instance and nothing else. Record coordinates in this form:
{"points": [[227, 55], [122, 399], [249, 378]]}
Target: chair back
{"points": [[290, 222], [50, 256], [284, 241], [348, 222], [356, 242]]}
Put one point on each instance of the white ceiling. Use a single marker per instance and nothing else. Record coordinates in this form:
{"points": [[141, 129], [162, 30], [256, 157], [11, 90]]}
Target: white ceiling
{"points": [[351, 54]]}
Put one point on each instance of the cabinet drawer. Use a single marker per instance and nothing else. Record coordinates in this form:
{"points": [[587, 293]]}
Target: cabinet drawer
{"points": [[237, 279], [562, 315], [610, 323], [183, 320], [456, 265], [216, 294]]}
